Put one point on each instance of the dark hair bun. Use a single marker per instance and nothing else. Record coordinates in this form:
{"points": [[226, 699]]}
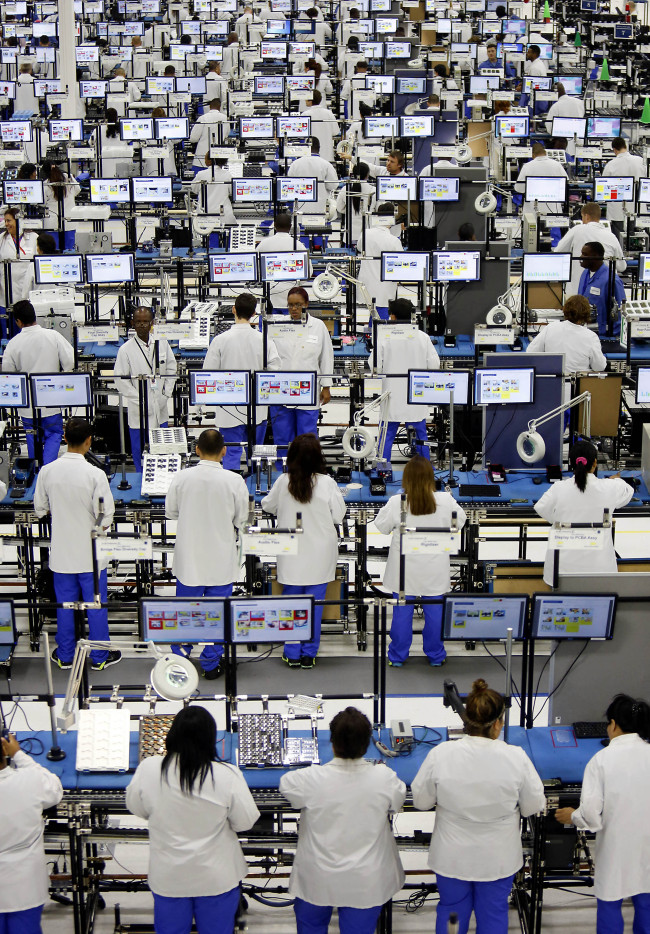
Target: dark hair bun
{"points": [[479, 686]]}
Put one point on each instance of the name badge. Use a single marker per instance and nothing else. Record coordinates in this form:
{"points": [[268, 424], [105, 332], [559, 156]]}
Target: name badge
{"points": [[594, 290]]}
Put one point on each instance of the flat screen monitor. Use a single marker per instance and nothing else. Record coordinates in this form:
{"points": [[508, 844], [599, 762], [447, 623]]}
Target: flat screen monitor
{"points": [[300, 82], [507, 48], [380, 6], [61, 390], [286, 387], [233, 267], [411, 85], [247, 190], [219, 387], [504, 387], [293, 127], [159, 85], [380, 84], [456, 266], [644, 274], [545, 189], [514, 27], [547, 267], [278, 27], [643, 191], [27, 192], [404, 267], [545, 50], [302, 49], [397, 50], [569, 127], [284, 267], [16, 131], [573, 616], [515, 127], [380, 127], [45, 55], [433, 387], [182, 619], [386, 25], [463, 49], [192, 85], [371, 50], [110, 267], [92, 89], [416, 127], [296, 189], [439, 188], [481, 84], [110, 191], [534, 83], [256, 128], [613, 188], [572, 84], [643, 373], [65, 269], [171, 128], [271, 619], [268, 85], [589, 6], [14, 390], [151, 190], [66, 131], [8, 633], [624, 31], [136, 129], [45, 86], [397, 187], [603, 127], [482, 618], [274, 50]]}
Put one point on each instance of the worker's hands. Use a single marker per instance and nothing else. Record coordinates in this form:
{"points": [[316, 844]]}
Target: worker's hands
{"points": [[325, 395], [563, 815], [10, 746], [345, 156], [615, 476]]}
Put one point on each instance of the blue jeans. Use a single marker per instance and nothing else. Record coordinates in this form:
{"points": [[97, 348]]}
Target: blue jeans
{"points": [[609, 917], [288, 423], [21, 922], [488, 901], [136, 447], [211, 654], [315, 919], [401, 632], [71, 587], [214, 914], [296, 649], [234, 437], [391, 430], [51, 436]]}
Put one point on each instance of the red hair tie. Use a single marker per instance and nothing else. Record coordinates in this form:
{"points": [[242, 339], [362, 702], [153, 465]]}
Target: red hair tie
{"points": [[581, 460]]}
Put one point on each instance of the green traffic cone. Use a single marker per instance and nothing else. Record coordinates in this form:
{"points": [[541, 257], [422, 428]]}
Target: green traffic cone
{"points": [[547, 10], [604, 71], [578, 40], [645, 116]]}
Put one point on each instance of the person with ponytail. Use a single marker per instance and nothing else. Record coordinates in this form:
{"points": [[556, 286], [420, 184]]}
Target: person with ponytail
{"points": [[614, 804], [481, 789], [579, 499]]}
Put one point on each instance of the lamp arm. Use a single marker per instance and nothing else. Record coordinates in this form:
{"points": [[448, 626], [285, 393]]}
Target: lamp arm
{"points": [[503, 299], [344, 275], [534, 424], [362, 412]]}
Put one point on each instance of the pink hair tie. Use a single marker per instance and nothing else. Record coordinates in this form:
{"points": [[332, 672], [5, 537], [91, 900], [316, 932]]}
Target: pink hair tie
{"points": [[581, 460]]}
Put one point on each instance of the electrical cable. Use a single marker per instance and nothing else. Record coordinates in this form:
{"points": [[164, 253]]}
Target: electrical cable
{"points": [[561, 681]]}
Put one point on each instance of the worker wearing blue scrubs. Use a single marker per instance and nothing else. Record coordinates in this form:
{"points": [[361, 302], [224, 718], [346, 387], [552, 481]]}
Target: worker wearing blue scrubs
{"points": [[595, 286]]}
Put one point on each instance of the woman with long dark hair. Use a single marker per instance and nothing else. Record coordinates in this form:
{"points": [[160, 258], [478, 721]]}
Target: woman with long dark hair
{"points": [[307, 489], [59, 191], [361, 195], [195, 806]]}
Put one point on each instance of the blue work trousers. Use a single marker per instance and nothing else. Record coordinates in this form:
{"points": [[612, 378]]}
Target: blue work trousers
{"points": [[420, 429], [288, 423], [234, 437], [401, 632], [488, 901], [21, 922], [318, 591], [213, 914], [315, 919], [69, 588], [136, 447], [51, 436], [211, 654], [609, 916]]}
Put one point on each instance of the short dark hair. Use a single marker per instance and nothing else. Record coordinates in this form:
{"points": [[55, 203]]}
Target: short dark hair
{"points": [[77, 430], [350, 733], [535, 49], [401, 309], [619, 143], [596, 247], [283, 221], [23, 311], [315, 144], [210, 442], [466, 231], [245, 305], [297, 290], [397, 154], [47, 244], [500, 12], [144, 308], [386, 209]]}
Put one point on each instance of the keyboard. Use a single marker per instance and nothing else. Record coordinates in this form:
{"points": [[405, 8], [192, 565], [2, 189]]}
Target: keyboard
{"points": [[479, 491], [588, 729]]}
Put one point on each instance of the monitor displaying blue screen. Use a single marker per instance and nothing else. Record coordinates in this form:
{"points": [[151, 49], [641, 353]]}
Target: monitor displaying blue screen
{"points": [[476, 618], [573, 616], [182, 619]]}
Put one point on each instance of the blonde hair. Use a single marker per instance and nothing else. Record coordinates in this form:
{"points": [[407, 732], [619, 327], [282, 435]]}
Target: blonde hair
{"points": [[418, 482]]}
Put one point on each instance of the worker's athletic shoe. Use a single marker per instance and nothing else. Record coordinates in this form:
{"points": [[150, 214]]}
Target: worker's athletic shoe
{"points": [[214, 673], [438, 664], [394, 664], [112, 659], [307, 661], [57, 661], [291, 662]]}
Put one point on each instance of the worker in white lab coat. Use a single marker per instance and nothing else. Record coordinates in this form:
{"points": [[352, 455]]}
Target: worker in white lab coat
{"points": [[324, 125], [79, 499], [19, 255], [566, 105], [281, 242], [314, 166], [209, 504], [360, 193], [583, 498], [347, 855], [534, 65], [397, 353], [580, 346], [481, 788], [206, 132], [38, 350], [424, 575], [213, 185], [308, 490], [142, 356], [613, 803], [307, 348], [195, 805], [624, 164], [541, 165], [589, 231], [26, 790], [378, 240]]}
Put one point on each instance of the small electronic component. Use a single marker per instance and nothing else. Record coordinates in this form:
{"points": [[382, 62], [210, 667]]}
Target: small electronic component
{"points": [[157, 473], [153, 732], [260, 740]]}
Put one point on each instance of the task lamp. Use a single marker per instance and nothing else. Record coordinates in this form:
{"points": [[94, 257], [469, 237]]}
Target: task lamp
{"points": [[486, 202], [501, 314], [327, 286], [531, 447], [359, 442]]}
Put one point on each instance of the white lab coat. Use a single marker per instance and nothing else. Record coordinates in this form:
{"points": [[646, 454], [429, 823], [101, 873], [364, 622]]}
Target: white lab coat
{"points": [[24, 792], [38, 350], [230, 63], [152, 166], [481, 788], [573, 242], [366, 199], [425, 575], [135, 358], [240, 348], [70, 489], [624, 164], [565, 106], [564, 502], [204, 131], [214, 187], [209, 504], [580, 346], [378, 241], [537, 69], [307, 347], [72, 189], [22, 271], [315, 167], [613, 803], [281, 243], [347, 854], [193, 845], [25, 97], [398, 354], [318, 545], [540, 166], [324, 127]]}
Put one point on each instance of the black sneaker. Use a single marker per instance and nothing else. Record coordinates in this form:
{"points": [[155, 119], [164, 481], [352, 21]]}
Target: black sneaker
{"points": [[214, 673], [113, 659], [291, 662], [64, 666], [307, 661]]}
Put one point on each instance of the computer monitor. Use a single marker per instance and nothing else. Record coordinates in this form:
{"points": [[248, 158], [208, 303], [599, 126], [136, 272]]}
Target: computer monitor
{"points": [[247, 190], [613, 188], [504, 387], [278, 27], [569, 127], [386, 25], [433, 387], [644, 269], [256, 128], [416, 127], [44, 86], [397, 187], [14, 390], [171, 128], [439, 188], [380, 127], [513, 27], [23, 192], [545, 50], [86, 54], [300, 82], [481, 84], [159, 85], [109, 267], [110, 191], [66, 131], [296, 189], [182, 619], [482, 617], [643, 373], [45, 55], [219, 387], [293, 127], [284, 267], [624, 32], [516, 127], [603, 127], [268, 85], [274, 50], [136, 129], [546, 188], [151, 190], [589, 6], [290, 387], [380, 6], [573, 616], [397, 50], [463, 49], [64, 269], [456, 266], [271, 619], [233, 267], [547, 267], [16, 131], [61, 390], [302, 49], [92, 89], [192, 85], [8, 632], [643, 191], [404, 267], [380, 84], [534, 83], [411, 85], [371, 50], [572, 84]]}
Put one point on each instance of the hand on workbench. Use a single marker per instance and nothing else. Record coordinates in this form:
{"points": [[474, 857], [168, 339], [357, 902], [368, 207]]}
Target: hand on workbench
{"points": [[10, 746], [563, 815], [325, 395]]}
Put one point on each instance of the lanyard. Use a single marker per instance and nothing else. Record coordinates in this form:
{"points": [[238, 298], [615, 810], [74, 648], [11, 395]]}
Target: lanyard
{"points": [[149, 363]]}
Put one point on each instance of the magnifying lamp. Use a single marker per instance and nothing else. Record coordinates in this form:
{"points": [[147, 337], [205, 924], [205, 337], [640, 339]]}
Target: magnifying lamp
{"points": [[327, 286], [486, 202], [203, 225], [531, 447], [359, 442], [174, 677], [501, 314]]}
